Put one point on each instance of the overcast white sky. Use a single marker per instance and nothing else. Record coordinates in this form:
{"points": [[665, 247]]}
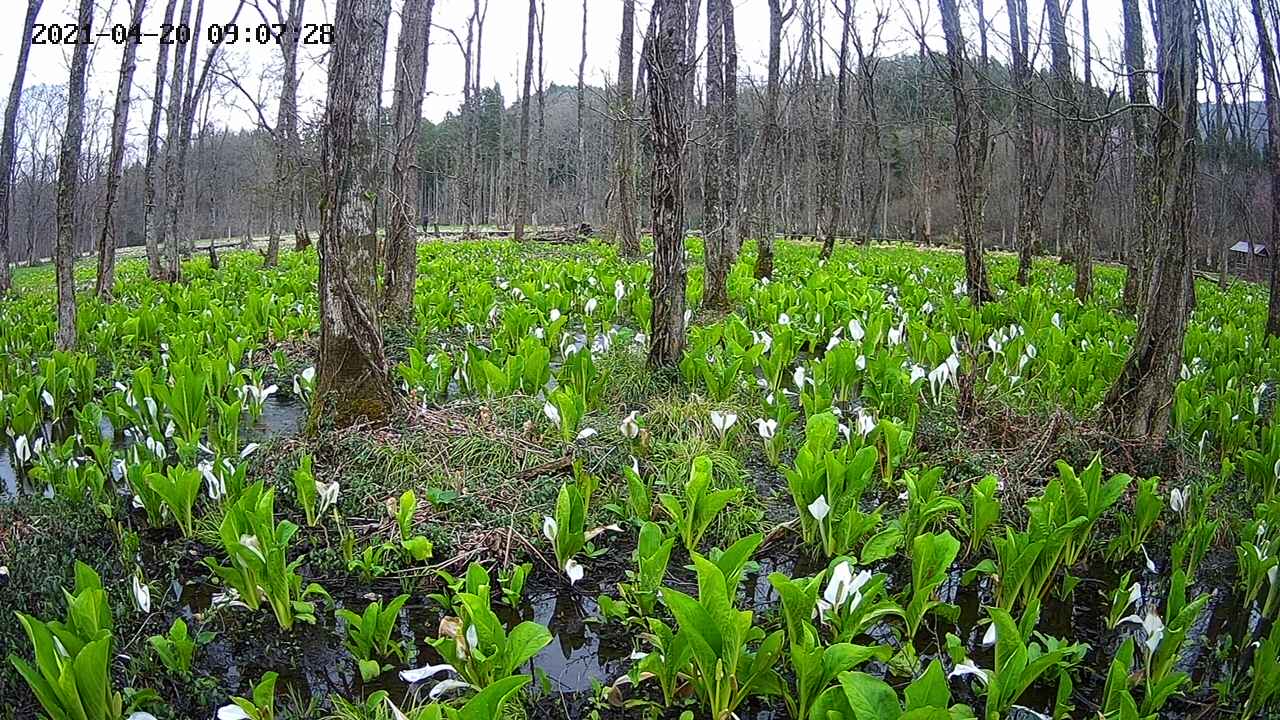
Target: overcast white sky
{"points": [[503, 51]]}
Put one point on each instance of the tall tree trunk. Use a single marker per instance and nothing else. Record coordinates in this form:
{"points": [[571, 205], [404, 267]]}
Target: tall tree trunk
{"points": [[581, 146], [406, 111], [771, 143], [714, 238], [730, 164], [1271, 100], [1028, 222], [668, 75], [151, 214], [119, 123], [833, 177], [288, 156], [624, 166], [8, 145], [1138, 260], [1077, 242], [172, 172], [1141, 400], [971, 148], [64, 254], [522, 193], [352, 379]]}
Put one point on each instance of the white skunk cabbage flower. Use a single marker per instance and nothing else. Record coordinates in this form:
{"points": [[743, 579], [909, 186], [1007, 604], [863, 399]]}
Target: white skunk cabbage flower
{"points": [[766, 428], [574, 571], [141, 594], [819, 508], [722, 421], [550, 528], [629, 427], [551, 412]]}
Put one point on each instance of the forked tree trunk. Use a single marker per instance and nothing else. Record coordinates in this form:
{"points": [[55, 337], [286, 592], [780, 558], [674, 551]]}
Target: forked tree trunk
{"points": [[624, 165], [8, 145], [1138, 261], [1141, 400], [150, 213], [1075, 201], [834, 172], [667, 80], [771, 143], [971, 146], [352, 379], [68, 182], [714, 238], [287, 145], [1271, 100], [119, 123], [167, 235], [406, 110], [522, 192]]}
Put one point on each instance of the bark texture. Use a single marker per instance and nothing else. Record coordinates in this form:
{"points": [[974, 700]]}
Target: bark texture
{"points": [[833, 177], [149, 191], [68, 182], [624, 165], [1141, 400], [667, 82], [1138, 266], [771, 143], [1271, 100], [714, 236], [406, 113], [1030, 195], [119, 123], [522, 192], [352, 379], [972, 144], [287, 145], [8, 144]]}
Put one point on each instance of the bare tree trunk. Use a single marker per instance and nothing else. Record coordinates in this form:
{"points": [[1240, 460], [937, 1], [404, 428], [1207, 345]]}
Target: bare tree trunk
{"points": [[522, 193], [1141, 400], [8, 145], [172, 176], [64, 255], [288, 147], [624, 167], [581, 165], [1271, 100], [714, 238], [730, 163], [1028, 224], [668, 73], [352, 377], [1075, 197], [971, 148], [119, 123], [771, 143], [151, 213], [410, 80], [1138, 261], [834, 173]]}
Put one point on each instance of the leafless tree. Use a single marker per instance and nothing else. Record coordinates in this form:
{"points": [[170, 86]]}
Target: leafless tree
{"points": [[406, 113], [119, 123], [972, 146], [522, 193], [833, 175], [1266, 24], [288, 146], [352, 379], [1140, 402], [68, 182], [624, 224], [667, 72], [8, 145]]}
